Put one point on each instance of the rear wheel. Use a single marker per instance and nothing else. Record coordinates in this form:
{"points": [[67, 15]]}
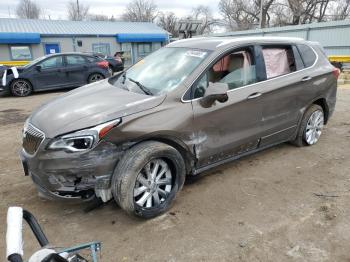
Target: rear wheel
{"points": [[95, 77], [311, 127], [21, 87], [147, 179]]}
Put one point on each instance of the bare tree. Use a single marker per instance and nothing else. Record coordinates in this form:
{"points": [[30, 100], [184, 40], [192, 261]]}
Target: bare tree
{"points": [[308, 11], [204, 14], [77, 11], [341, 10], [28, 9], [280, 14], [168, 21], [241, 14], [140, 11]]}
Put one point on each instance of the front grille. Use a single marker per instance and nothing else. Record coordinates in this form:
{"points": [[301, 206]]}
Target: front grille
{"points": [[32, 138]]}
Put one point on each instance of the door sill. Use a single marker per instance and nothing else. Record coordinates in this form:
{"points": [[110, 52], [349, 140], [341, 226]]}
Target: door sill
{"points": [[227, 160]]}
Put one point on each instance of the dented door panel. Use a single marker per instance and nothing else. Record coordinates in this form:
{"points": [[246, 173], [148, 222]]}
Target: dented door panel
{"points": [[228, 129]]}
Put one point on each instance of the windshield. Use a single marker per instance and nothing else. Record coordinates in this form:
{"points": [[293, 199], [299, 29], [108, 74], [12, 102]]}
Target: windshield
{"points": [[162, 71]]}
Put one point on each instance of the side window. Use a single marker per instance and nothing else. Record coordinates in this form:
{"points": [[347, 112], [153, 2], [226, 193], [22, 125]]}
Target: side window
{"points": [[279, 60], [75, 60], [237, 69], [307, 54], [52, 62], [92, 59]]}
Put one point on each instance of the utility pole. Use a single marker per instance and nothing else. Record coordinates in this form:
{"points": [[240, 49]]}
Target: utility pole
{"points": [[78, 10], [261, 12]]}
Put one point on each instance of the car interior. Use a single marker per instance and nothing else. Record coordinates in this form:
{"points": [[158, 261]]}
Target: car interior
{"points": [[238, 69]]}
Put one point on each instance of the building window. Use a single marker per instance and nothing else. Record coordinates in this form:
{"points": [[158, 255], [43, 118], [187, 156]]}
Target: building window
{"points": [[127, 54], [144, 49], [80, 43], [101, 48], [20, 53], [156, 46]]}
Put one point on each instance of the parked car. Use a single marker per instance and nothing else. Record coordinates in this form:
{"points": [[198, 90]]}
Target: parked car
{"points": [[116, 64], [57, 71], [186, 108]]}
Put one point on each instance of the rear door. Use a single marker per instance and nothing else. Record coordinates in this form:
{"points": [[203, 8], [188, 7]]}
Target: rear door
{"points": [[50, 75], [77, 69], [227, 129], [283, 81]]}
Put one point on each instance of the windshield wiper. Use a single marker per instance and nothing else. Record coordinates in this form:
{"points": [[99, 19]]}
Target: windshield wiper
{"points": [[141, 86]]}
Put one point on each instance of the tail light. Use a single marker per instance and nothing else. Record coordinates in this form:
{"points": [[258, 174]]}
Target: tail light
{"points": [[336, 72], [103, 64]]}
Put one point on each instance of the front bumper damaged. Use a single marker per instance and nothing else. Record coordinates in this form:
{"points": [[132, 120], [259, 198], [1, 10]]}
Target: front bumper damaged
{"points": [[73, 176]]}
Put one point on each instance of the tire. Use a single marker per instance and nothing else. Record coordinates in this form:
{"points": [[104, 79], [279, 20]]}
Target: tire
{"points": [[303, 136], [21, 88], [132, 195], [110, 69], [94, 77]]}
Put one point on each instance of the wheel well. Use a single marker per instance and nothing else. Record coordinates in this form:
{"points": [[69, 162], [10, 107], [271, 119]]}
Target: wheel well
{"points": [[323, 103], [186, 154], [21, 79]]}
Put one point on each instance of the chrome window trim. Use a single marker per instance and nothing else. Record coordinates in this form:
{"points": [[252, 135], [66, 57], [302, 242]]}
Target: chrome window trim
{"points": [[267, 80]]}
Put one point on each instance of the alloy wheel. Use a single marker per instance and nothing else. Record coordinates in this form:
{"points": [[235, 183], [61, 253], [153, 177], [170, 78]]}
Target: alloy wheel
{"points": [[21, 88], [95, 78], [153, 184], [314, 127]]}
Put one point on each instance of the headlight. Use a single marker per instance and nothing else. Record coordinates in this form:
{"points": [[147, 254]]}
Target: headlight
{"points": [[84, 139]]}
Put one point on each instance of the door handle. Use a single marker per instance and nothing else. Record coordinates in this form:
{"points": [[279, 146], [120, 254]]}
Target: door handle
{"points": [[254, 95], [306, 78]]}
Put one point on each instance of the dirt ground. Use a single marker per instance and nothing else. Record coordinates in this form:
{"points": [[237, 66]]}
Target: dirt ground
{"points": [[283, 204]]}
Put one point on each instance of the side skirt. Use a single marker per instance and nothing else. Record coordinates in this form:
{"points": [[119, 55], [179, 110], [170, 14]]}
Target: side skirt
{"points": [[227, 160]]}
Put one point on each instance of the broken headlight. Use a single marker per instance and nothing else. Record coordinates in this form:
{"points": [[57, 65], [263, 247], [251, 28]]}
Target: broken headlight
{"points": [[84, 139]]}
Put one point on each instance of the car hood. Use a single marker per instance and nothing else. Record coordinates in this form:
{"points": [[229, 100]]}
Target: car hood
{"points": [[89, 106]]}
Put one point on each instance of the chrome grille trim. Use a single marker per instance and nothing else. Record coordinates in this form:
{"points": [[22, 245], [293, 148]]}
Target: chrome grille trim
{"points": [[32, 139]]}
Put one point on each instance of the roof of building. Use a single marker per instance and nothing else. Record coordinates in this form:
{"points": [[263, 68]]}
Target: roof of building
{"points": [[65, 27], [320, 25]]}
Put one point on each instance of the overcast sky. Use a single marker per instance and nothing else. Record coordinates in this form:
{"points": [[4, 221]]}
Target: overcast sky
{"points": [[57, 9]]}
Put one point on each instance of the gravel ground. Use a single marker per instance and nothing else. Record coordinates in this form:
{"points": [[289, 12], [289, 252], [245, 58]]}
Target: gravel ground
{"points": [[282, 204]]}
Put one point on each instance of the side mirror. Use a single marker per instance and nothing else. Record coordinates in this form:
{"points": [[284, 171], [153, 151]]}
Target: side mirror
{"points": [[214, 92], [38, 68]]}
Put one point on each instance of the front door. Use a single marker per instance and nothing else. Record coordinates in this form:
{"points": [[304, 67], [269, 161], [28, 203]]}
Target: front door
{"points": [[51, 49], [228, 129], [51, 74]]}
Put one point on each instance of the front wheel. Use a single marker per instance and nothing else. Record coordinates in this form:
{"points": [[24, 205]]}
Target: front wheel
{"points": [[21, 87], [147, 179], [311, 127]]}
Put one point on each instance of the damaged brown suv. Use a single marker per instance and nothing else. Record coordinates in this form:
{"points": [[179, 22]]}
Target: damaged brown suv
{"points": [[186, 108]]}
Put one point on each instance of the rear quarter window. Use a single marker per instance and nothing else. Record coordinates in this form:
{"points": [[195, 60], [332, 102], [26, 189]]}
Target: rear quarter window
{"points": [[307, 55], [92, 59]]}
